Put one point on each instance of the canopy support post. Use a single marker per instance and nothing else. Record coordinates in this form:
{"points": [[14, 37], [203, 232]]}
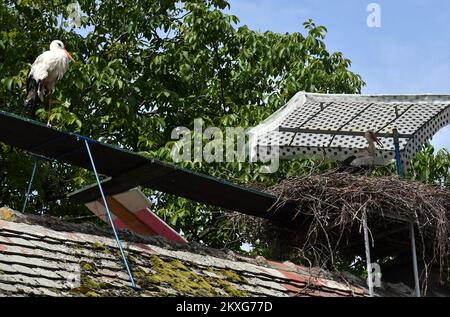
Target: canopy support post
{"points": [[414, 260], [398, 158], [125, 261], [30, 183], [411, 225], [368, 260]]}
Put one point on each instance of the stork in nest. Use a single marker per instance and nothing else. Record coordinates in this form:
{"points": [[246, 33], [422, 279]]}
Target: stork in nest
{"points": [[365, 159]]}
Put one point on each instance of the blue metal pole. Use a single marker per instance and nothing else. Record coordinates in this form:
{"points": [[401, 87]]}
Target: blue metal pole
{"points": [[133, 285], [27, 195], [397, 154]]}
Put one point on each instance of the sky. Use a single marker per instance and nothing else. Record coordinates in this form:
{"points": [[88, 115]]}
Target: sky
{"points": [[408, 54]]}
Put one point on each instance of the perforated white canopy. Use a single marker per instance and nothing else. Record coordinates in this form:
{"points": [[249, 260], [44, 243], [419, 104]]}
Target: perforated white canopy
{"points": [[312, 125]]}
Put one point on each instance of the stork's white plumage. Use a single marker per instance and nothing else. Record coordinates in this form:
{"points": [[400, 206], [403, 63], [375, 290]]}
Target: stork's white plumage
{"points": [[366, 157], [48, 67]]}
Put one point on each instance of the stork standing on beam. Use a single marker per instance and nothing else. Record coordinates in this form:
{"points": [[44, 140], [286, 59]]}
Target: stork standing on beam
{"points": [[364, 159], [48, 67]]}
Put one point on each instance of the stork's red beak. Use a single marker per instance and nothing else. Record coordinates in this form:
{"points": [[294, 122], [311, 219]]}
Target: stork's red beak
{"points": [[69, 56], [377, 141]]}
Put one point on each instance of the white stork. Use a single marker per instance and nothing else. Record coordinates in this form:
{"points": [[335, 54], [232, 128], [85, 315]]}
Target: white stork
{"points": [[365, 158], [48, 67]]}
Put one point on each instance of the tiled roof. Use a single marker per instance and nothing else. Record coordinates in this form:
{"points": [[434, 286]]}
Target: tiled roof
{"points": [[43, 261]]}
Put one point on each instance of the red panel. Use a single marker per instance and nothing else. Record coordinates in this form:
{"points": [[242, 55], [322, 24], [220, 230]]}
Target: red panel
{"points": [[159, 226], [120, 225]]}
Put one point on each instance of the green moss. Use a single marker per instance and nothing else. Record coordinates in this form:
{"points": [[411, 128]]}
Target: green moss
{"points": [[231, 290], [92, 288], [170, 274], [175, 275], [92, 294], [89, 282], [6, 214], [102, 248], [86, 266], [131, 259], [178, 264], [233, 276]]}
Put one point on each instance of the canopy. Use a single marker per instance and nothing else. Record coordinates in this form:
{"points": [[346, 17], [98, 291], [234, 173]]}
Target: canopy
{"points": [[333, 126]]}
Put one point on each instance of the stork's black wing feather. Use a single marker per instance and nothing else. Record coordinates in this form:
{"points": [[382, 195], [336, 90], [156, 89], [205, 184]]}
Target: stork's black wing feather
{"points": [[348, 160], [348, 168], [32, 98]]}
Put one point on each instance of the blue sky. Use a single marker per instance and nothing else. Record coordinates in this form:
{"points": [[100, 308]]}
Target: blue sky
{"points": [[408, 54]]}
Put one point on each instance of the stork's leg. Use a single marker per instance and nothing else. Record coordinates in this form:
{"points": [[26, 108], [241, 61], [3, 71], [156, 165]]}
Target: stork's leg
{"points": [[50, 101]]}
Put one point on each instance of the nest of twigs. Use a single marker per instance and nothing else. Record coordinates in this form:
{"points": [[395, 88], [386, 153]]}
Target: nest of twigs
{"points": [[330, 209]]}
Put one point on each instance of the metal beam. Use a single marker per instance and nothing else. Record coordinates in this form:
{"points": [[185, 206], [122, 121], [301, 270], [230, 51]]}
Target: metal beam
{"points": [[397, 116], [125, 167], [339, 132], [380, 236], [348, 122]]}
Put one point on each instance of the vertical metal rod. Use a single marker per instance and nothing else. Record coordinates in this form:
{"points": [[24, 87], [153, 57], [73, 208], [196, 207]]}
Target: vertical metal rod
{"points": [[109, 216], [27, 195], [414, 258], [411, 225], [368, 260], [396, 111]]}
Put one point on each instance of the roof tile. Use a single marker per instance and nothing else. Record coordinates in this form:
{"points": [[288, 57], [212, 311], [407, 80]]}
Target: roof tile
{"points": [[40, 261]]}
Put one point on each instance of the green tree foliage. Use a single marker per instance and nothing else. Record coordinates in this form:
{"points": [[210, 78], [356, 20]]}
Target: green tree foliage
{"points": [[430, 167], [146, 67]]}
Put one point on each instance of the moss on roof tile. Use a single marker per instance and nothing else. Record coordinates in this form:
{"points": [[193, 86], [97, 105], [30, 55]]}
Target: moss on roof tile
{"points": [[175, 275]]}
